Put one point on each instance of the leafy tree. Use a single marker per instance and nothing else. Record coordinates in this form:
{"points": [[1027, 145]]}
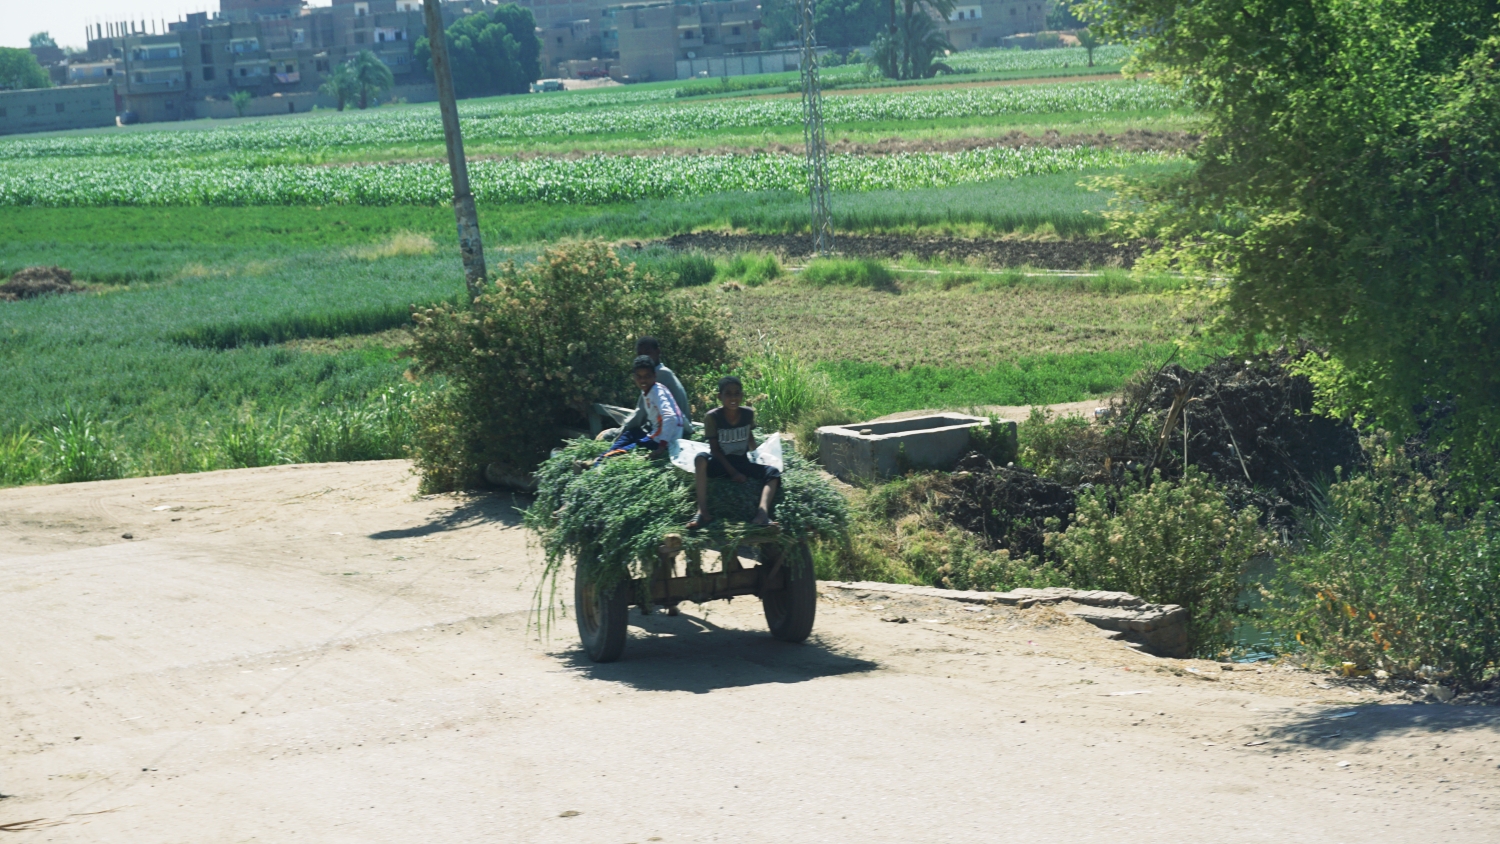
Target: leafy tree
{"points": [[371, 76], [1062, 15], [842, 24], [19, 69], [914, 50], [340, 85], [1346, 190], [1089, 41], [240, 100], [494, 52], [42, 39]]}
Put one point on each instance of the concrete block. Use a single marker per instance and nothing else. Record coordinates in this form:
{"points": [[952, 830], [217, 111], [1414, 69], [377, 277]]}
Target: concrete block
{"points": [[873, 450]]}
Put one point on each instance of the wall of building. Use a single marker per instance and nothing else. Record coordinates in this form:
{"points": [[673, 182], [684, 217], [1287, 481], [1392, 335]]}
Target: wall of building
{"points": [[55, 109]]}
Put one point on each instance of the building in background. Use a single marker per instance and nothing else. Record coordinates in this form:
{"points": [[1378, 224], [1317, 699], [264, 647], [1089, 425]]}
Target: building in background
{"points": [[280, 51], [58, 108]]}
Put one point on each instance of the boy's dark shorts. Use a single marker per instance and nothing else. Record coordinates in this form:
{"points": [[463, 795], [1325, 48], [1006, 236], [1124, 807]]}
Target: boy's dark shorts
{"points": [[742, 464]]}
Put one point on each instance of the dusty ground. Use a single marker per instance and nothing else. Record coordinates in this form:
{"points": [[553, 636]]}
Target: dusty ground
{"points": [[314, 654]]}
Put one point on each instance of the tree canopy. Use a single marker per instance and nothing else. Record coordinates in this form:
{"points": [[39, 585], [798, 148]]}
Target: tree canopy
{"points": [[1346, 192], [42, 39], [916, 48], [19, 69], [840, 24], [494, 52], [370, 75]]}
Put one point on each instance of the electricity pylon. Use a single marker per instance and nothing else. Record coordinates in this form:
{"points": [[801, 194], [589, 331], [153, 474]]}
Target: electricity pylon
{"points": [[817, 147]]}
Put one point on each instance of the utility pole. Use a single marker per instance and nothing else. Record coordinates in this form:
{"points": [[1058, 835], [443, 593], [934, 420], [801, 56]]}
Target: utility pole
{"points": [[469, 244], [817, 147]]}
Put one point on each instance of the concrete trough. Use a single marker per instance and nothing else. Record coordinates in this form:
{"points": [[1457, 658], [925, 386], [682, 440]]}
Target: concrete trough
{"points": [[873, 450]]}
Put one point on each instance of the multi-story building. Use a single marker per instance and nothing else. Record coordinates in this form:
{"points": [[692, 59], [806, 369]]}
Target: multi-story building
{"points": [[983, 23], [271, 48], [651, 39]]}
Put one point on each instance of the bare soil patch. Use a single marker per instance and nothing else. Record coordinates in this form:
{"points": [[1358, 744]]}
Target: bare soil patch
{"points": [[38, 281], [1042, 254]]}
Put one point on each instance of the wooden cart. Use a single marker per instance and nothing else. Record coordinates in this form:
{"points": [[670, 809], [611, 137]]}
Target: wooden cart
{"points": [[783, 580]]}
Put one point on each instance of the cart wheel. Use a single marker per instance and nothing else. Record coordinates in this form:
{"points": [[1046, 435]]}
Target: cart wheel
{"points": [[601, 619], [790, 610]]}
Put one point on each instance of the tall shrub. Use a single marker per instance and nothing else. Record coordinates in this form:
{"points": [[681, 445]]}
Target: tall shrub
{"points": [[538, 348], [1396, 579], [1168, 542]]}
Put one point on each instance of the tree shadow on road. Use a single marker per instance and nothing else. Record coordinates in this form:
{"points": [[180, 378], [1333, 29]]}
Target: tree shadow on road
{"points": [[497, 508], [1337, 728], [687, 653]]}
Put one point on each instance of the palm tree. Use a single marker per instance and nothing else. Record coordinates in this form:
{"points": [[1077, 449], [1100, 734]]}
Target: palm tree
{"points": [[913, 50], [340, 85], [372, 76]]}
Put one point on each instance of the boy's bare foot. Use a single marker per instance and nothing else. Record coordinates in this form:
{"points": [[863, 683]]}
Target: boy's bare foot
{"points": [[699, 520], [761, 518]]}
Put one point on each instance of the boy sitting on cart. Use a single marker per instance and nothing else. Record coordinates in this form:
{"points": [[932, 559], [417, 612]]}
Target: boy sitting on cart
{"points": [[729, 430], [663, 418]]}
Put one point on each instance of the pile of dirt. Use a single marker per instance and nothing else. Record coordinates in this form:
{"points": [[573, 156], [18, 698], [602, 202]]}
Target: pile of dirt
{"points": [[1042, 254], [38, 281], [1249, 425], [1011, 507]]}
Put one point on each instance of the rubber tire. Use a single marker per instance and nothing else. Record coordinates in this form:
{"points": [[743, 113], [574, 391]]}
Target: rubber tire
{"points": [[601, 621], [790, 611]]}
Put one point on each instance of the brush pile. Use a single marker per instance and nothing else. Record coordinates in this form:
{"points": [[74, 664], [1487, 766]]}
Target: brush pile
{"points": [[611, 519], [37, 281], [1248, 424]]}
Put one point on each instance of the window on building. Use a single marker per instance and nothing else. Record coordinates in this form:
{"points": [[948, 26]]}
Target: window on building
{"points": [[206, 53], [559, 39], [735, 30], [244, 71], [687, 34], [208, 74]]}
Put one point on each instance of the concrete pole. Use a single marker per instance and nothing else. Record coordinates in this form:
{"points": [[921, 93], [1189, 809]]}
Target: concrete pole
{"points": [[469, 244]]}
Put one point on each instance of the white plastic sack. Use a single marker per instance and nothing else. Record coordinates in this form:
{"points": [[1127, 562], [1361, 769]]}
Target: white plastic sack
{"points": [[684, 452], [769, 453]]}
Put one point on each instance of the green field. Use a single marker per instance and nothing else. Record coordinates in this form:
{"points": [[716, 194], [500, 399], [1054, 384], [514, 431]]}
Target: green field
{"points": [[248, 293]]}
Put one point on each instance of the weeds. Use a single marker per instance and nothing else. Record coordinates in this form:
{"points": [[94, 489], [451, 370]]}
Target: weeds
{"points": [[751, 270], [784, 390], [847, 272], [1394, 579], [77, 448], [1168, 542]]}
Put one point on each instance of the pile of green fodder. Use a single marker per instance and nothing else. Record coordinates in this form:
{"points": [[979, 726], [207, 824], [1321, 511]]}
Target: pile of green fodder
{"points": [[611, 519]]}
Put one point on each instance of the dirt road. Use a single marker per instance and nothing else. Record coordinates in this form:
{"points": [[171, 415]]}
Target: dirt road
{"points": [[314, 654]]}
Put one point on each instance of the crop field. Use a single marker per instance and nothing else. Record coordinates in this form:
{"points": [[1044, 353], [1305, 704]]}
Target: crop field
{"points": [[249, 281]]}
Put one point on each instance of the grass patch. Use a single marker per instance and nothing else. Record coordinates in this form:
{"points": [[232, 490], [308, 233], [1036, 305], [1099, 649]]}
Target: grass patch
{"points": [[1035, 379], [846, 272], [962, 328]]}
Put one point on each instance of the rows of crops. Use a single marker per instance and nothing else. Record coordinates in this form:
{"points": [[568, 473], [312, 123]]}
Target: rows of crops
{"points": [[591, 180], [505, 121], [991, 61]]}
